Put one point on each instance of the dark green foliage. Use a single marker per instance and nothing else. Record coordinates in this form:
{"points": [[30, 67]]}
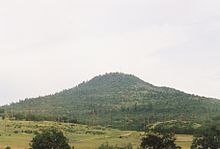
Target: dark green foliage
{"points": [[207, 137], [50, 139], [2, 113], [159, 141], [175, 126], [116, 100], [107, 146]]}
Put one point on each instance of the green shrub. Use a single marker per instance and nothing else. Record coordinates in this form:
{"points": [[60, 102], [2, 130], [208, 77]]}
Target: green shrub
{"points": [[159, 141], [50, 139], [16, 132], [208, 136], [107, 146], [95, 132]]}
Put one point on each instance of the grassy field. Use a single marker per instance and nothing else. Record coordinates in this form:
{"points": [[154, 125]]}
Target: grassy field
{"points": [[18, 134]]}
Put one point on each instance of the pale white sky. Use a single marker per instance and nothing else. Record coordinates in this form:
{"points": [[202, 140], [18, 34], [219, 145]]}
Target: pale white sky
{"points": [[50, 45]]}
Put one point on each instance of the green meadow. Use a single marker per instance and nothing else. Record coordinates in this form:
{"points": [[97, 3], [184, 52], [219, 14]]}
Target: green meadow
{"points": [[18, 134]]}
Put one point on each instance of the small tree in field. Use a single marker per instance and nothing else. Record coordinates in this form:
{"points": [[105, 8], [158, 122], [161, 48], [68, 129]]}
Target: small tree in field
{"points": [[207, 137], [50, 139], [159, 141]]}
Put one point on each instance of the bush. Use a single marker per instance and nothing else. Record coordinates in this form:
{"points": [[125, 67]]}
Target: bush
{"points": [[175, 126], [50, 139], [207, 137], [16, 131], [28, 131], [159, 141], [107, 146], [95, 132]]}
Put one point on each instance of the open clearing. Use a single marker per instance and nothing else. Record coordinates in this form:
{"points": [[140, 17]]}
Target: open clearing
{"points": [[18, 134]]}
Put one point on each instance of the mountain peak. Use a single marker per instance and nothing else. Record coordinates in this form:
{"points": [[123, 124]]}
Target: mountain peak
{"points": [[115, 79]]}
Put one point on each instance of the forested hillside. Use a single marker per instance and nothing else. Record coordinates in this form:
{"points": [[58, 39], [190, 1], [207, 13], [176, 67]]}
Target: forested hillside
{"points": [[118, 100]]}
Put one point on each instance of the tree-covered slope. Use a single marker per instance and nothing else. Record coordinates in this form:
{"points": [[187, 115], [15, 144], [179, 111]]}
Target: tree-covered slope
{"points": [[118, 100]]}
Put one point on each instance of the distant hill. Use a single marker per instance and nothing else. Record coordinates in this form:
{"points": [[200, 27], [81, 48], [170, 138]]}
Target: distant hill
{"points": [[118, 100]]}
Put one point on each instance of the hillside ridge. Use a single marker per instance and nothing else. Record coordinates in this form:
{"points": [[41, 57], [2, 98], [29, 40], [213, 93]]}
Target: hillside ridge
{"points": [[118, 100]]}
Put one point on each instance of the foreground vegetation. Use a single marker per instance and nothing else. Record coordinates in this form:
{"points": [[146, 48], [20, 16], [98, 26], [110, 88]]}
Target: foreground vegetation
{"points": [[18, 135]]}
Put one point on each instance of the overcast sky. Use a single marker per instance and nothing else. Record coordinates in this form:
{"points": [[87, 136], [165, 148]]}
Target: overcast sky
{"points": [[50, 45]]}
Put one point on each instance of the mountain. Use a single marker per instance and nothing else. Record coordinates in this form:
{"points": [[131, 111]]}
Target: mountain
{"points": [[117, 100]]}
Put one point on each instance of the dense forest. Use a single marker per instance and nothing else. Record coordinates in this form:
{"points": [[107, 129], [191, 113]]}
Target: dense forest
{"points": [[116, 100]]}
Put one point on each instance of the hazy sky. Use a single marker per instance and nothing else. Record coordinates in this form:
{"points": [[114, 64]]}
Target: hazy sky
{"points": [[50, 45]]}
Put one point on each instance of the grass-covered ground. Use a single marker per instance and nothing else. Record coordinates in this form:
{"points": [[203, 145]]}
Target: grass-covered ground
{"points": [[18, 134]]}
